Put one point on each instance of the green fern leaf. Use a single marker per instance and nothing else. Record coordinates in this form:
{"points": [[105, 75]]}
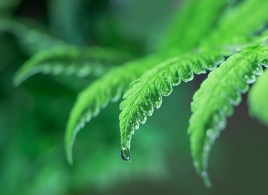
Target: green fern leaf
{"points": [[232, 28], [70, 60], [32, 36], [108, 88], [195, 16], [146, 93], [257, 98], [215, 99]]}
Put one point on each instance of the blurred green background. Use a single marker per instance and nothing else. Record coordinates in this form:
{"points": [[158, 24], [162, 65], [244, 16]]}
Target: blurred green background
{"points": [[33, 116]]}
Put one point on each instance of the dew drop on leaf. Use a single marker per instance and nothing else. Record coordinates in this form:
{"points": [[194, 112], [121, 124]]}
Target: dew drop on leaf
{"points": [[209, 132], [221, 125], [236, 99], [204, 174], [148, 108], [258, 70], [227, 110], [250, 78], [142, 119], [212, 137], [187, 77], [264, 62], [176, 80], [125, 154], [136, 125]]}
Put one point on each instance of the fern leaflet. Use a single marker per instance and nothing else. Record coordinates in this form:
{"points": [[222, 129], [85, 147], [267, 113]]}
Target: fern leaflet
{"points": [[70, 60], [108, 88], [257, 98], [213, 102], [190, 20], [146, 93], [32, 36], [232, 30]]}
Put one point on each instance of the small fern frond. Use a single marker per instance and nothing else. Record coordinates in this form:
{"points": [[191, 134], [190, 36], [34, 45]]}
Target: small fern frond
{"points": [[215, 99], [195, 16], [32, 36], [146, 93], [232, 29], [70, 60], [108, 88], [257, 97]]}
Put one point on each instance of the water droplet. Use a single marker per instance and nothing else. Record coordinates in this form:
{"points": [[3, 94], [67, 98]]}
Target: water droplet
{"points": [[235, 99], [204, 174], [148, 108], [157, 100], [125, 154], [228, 110], [264, 62], [258, 70], [136, 125], [176, 79], [142, 119], [166, 89], [212, 137], [187, 77], [221, 124], [250, 78], [209, 133]]}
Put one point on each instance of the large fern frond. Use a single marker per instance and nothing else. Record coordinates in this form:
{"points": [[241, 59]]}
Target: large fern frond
{"points": [[32, 36], [238, 26], [257, 98], [70, 60], [192, 23], [102, 91], [215, 99], [146, 93]]}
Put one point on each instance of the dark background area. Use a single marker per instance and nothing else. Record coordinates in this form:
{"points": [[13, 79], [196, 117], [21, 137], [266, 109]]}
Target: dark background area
{"points": [[33, 116]]}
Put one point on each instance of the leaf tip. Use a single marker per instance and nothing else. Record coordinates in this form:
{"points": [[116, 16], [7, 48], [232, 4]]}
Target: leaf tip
{"points": [[125, 154]]}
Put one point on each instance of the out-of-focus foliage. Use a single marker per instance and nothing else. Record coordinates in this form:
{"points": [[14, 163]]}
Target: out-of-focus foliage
{"points": [[33, 117]]}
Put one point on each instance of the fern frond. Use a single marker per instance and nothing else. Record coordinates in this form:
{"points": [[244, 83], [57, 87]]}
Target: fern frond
{"points": [[108, 88], [146, 93], [215, 99], [238, 26], [192, 23], [32, 36], [257, 98], [70, 60], [7, 4]]}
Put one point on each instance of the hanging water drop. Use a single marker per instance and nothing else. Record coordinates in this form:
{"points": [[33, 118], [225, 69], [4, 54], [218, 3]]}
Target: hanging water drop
{"points": [[125, 154]]}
